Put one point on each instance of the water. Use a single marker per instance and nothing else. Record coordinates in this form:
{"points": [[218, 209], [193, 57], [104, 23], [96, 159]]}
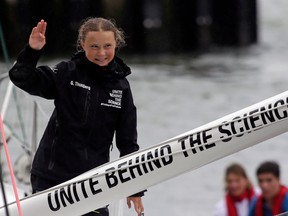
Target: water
{"points": [[175, 94]]}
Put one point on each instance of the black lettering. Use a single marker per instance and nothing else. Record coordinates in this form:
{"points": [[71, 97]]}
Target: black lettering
{"points": [[241, 129], [194, 141], [267, 114], [281, 102], [144, 164], [92, 183], [225, 131], [166, 160], [233, 125], [183, 146], [245, 120], [205, 138], [83, 188], [111, 179], [75, 192], [66, 196], [156, 162], [137, 167], [122, 171], [57, 207], [254, 118]]}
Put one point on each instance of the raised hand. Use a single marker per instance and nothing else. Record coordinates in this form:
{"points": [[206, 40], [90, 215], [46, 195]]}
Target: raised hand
{"points": [[37, 38]]}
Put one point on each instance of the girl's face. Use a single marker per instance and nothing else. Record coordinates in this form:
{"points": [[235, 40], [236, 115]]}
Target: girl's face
{"points": [[236, 184], [99, 47]]}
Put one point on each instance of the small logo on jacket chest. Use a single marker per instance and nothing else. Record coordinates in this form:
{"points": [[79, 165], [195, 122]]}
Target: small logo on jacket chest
{"points": [[80, 85], [115, 99]]}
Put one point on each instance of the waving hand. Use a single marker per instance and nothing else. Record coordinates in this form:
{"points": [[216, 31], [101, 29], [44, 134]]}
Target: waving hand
{"points": [[37, 38]]}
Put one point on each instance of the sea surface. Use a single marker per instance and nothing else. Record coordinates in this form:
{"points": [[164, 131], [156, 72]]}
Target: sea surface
{"points": [[178, 93]]}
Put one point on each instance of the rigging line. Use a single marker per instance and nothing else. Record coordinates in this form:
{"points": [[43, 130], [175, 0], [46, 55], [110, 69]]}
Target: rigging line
{"points": [[19, 114], [4, 76], [3, 192], [40, 108], [4, 110], [6, 99], [4, 48], [10, 85], [10, 167], [10, 88], [34, 100], [22, 143]]}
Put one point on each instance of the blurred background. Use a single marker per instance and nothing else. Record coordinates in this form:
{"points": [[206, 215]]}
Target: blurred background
{"points": [[192, 62], [165, 26]]}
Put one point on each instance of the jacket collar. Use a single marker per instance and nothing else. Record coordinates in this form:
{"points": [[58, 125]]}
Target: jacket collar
{"points": [[115, 69]]}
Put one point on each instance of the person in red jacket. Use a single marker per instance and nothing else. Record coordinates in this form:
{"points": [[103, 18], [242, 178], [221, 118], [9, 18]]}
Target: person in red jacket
{"points": [[274, 197], [239, 193], [93, 101]]}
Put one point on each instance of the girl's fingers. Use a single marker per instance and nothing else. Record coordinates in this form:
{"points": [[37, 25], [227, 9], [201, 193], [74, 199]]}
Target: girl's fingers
{"points": [[44, 28], [34, 30], [41, 27]]}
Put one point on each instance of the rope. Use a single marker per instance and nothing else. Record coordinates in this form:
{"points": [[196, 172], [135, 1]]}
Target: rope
{"points": [[3, 76], [10, 167]]}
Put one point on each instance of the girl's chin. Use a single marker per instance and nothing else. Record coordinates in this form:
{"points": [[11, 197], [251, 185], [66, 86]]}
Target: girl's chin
{"points": [[101, 63]]}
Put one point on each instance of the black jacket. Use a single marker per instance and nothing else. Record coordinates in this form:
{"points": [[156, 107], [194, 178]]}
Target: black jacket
{"points": [[91, 104]]}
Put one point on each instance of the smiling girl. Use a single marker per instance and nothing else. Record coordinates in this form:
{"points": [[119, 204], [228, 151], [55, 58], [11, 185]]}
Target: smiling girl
{"points": [[93, 101]]}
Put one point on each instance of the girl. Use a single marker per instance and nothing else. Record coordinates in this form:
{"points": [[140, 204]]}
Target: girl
{"points": [[92, 100], [239, 192]]}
